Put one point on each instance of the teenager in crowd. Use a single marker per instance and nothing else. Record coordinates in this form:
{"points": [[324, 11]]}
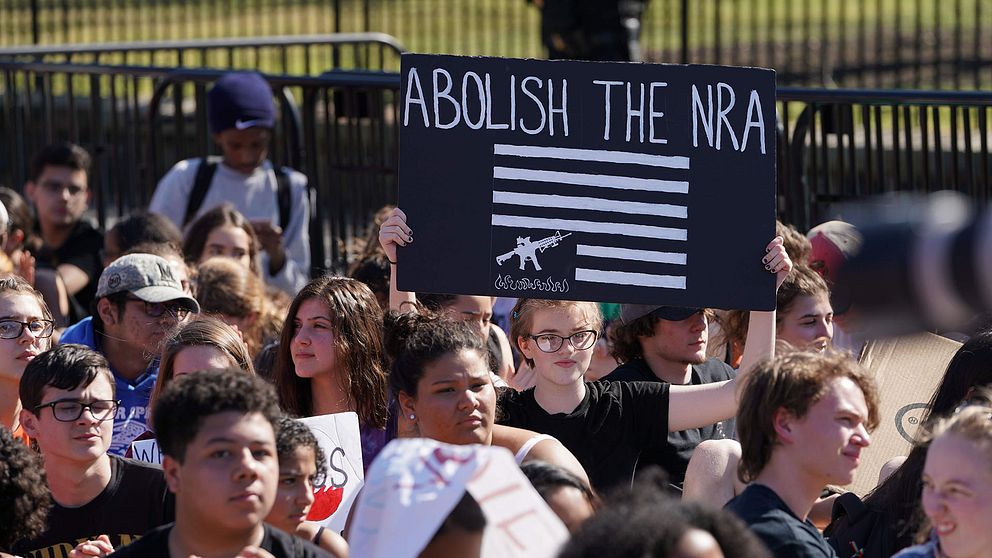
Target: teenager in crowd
{"points": [[897, 498], [649, 522], [331, 359], [26, 328], [440, 377], [69, 406], [139, 227], [225, 232], [804, 318], [139, 300], [201, 344], [957, 486], [23, 491], [274, 200], [196, 346], [59, 190], [302, 466], [803, 422], [217, 436], [228, 291], [571, 498]]}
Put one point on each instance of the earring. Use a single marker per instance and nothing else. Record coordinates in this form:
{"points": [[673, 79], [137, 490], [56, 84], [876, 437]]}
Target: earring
{"points": [[413, 416]]}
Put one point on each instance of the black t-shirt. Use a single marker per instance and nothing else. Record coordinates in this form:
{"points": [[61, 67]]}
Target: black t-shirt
{"points": [[607, 431], [156, 545], [775, 524], [674, 456], [81, 249], [135, 501]]}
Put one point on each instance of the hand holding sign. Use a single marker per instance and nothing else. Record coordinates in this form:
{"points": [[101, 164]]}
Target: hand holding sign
{"points": [[394, 232]]}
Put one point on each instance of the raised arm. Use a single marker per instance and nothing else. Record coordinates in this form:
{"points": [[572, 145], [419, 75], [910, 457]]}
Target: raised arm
{"points": [[392, 233], [700, 405]]}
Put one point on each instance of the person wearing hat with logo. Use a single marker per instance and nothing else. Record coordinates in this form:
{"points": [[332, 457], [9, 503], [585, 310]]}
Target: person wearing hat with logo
{"points": [[668, 344], [275, 200], [138, 300]]}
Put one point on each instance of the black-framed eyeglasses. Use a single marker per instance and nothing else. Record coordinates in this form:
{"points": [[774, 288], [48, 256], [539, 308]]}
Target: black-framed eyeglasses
{"points": [[158, 309], [68, 410], [12, 329], [550, 342]]}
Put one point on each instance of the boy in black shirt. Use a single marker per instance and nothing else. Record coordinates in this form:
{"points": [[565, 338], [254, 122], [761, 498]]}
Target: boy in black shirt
{"points": [[69, 405], [217, 438], [59, 190], [803, 421]]}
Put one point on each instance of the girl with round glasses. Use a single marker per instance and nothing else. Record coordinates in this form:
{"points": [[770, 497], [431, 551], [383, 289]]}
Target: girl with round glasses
{"points": [[26, 329], [608, 424]]}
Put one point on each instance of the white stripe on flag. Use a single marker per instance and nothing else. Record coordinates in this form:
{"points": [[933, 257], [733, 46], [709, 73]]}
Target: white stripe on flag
{"points": [[626, 278], [625, 229], [593, 204], [676, 258], [598, 155], [597, 180]]}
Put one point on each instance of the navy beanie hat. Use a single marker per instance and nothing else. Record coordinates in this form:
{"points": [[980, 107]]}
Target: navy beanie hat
{"points": [[240, 100]]}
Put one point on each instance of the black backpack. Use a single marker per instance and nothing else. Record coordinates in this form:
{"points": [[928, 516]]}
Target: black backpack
{"points": [[856, 531], [205, 175]]}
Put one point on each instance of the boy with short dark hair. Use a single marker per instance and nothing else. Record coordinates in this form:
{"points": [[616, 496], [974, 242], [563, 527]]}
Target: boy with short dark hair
{"points": [[217, 438], [69, 406], [803, 420], [59, 190]]}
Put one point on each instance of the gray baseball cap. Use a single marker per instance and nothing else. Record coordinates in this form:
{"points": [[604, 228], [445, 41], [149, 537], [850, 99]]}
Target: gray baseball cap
{"points": [[147, 277], [631, 312]]}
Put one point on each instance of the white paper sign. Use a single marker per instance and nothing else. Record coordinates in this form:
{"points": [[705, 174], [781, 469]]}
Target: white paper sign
{"points": [[147, 451], [339, 437], [415, 483]]}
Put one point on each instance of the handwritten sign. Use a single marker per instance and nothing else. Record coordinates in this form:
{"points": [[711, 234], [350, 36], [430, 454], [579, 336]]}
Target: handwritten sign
{"points": [[147, 451], [339, 437], [588, 181], [415, 483]]}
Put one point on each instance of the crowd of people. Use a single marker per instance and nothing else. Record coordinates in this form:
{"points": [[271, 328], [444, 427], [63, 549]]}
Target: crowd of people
{"points": [[638, 430]]}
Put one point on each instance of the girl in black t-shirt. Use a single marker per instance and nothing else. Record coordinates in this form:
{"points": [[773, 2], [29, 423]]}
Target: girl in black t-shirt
{"points": [[607, 425]]}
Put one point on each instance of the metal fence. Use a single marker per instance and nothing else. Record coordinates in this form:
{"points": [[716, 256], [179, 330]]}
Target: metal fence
{"points": [[341, 130], [338, 128], [287, 54], [849, 43]]}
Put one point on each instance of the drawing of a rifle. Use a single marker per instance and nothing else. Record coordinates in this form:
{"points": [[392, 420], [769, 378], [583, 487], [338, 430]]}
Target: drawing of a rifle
{"points": [[527, 249]]}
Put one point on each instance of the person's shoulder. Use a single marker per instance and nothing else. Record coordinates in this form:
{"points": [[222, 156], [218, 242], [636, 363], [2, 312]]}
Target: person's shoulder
{"points": [[284, 545], [80, 333], [135, 468], [714, 370], [626, 389], [153, 544], [631, 371], [755, 503], [928, 550]]}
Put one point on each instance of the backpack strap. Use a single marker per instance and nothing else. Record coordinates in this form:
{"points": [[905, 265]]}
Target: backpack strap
{"points": [[848, 504], [201, 184], [284, 196]]}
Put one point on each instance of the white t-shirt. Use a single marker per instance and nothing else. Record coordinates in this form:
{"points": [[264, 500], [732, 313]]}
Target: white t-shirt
{"points": [[255, 196]]}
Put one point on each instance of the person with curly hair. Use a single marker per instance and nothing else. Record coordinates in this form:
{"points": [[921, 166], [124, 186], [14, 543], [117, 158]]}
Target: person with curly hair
{"points": [[302, 468], [24, 491]]}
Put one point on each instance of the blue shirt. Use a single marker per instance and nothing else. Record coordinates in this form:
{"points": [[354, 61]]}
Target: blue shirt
{"points": [[132, 416]]}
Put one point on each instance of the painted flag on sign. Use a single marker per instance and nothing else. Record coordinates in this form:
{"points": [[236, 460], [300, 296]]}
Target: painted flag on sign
{"points": [[626, 212]]}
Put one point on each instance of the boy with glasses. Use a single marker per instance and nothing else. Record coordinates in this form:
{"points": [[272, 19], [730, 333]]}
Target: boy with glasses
{"points": [[139, 299], [69, 406]]}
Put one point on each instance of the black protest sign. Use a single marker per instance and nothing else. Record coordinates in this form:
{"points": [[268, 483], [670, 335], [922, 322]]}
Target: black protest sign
{"points": [[588, 181]]}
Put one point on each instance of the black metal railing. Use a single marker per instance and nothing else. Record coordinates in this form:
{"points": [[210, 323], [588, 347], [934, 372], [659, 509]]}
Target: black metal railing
{"points": [[341, 129], [932, 44], [337, 128], [287, 54], [839, 145]]}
